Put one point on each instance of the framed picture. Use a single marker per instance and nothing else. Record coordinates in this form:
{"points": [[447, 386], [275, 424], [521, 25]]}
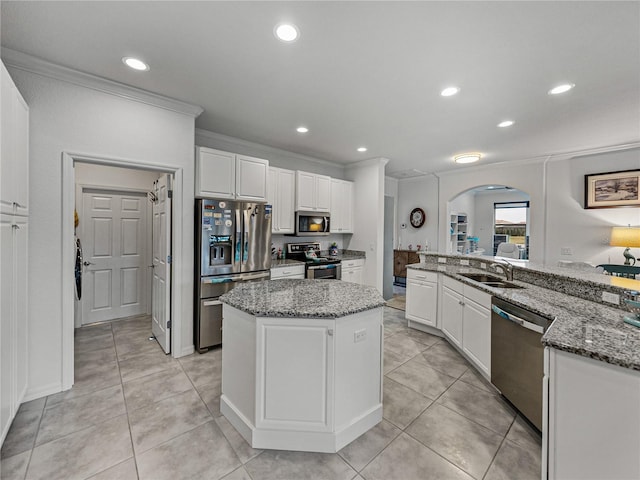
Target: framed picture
{"points": [[612, 189]]}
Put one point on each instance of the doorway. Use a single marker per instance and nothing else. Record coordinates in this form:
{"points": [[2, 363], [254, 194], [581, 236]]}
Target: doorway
{"points": [[116, 179]]}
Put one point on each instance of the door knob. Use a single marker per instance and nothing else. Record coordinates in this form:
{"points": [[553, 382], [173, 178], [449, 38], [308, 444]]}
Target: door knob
{"points": [[86, 264]]}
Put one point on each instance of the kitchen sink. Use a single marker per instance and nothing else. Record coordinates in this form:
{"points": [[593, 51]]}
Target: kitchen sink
{"points": [[490, 280]]}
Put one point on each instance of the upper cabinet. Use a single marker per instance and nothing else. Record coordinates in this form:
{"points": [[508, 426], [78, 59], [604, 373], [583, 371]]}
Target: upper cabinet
{"points": [[313, 192], [341, 206], [228, 175], [281, 195], [14, 167]]}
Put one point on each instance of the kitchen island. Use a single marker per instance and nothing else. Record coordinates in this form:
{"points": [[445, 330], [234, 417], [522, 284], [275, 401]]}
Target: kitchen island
{"points": [[302, 363]]}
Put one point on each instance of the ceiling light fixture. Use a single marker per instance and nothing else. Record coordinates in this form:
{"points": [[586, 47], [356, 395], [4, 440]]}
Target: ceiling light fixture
{"points": [[302, 129], [287, 32], [447, 92], [135, 63], [565, 87], [506, 123], [467, 157], [362, 149]]}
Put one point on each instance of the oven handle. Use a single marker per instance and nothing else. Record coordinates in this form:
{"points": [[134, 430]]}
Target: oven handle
{"points": [[520, 321], [323, 267], [210, 303]]}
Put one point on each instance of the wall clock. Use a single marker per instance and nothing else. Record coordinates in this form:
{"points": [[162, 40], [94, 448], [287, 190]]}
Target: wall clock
{"points": [[417, 217]]}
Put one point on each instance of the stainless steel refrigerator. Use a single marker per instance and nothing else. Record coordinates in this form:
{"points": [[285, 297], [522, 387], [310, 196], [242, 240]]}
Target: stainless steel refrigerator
{"points": [[233, 244]]}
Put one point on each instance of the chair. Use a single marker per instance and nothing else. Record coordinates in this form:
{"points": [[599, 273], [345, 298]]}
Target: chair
{"points": [[508, 250], [626, 271]]}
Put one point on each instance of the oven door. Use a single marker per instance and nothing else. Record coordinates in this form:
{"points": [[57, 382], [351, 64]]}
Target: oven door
{"points": [[332, 271]]}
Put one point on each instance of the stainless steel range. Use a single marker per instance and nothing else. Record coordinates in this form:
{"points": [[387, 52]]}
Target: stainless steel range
{"points": [[316, 265]]}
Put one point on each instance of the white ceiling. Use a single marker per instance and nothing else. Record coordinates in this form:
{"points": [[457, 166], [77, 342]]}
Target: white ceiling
{"points": [[367, 73]]}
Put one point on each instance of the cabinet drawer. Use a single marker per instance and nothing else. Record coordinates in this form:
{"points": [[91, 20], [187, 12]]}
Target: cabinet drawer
{"points": [[352, 263], [287, 272], [453, 284], [478, 296], [421, 275]]}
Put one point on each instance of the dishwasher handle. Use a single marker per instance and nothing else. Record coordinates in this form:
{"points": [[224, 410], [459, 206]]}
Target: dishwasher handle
{"points": [[520, 321]]}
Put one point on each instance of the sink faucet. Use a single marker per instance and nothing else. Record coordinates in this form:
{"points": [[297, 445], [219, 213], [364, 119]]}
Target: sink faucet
{"points": [[505, 267]]}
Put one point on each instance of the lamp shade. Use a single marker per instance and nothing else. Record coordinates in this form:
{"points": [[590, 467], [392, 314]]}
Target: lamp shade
{"points": [[625, 237]]}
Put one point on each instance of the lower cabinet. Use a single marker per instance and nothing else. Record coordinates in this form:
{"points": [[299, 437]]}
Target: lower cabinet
{"points": [[290, 272], [594, 419], [422, 297], [352, 270], [466, 321]]}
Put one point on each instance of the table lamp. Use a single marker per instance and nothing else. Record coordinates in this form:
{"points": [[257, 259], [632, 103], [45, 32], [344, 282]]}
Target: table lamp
{"points": [[626, 237]]}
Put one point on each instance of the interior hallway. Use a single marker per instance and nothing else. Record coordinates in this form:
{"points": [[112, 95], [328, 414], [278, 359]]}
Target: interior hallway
{"points": [[137, 413]]}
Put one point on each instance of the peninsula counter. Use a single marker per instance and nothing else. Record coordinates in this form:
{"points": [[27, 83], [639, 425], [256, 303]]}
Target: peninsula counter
{"points": [[302, 363]]}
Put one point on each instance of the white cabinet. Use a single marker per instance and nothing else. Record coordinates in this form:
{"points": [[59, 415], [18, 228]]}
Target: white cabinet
{"points": [[14, 223], [289, 272], [14, 128], [313, 192], [228, 175], [466, 321], [422, 297], [593, 419], [341, 206], [281, 195], [353, 270]]}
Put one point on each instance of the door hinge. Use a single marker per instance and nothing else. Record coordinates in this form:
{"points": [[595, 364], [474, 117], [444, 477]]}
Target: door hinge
{"points": [[169, 325], [169, 259], [170, 193]]}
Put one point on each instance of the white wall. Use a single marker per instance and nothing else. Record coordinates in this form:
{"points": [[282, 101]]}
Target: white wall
{"points": [[68, 118], [368, 195], [525, 176], [484, 215], [586, 232], [417, 192]]}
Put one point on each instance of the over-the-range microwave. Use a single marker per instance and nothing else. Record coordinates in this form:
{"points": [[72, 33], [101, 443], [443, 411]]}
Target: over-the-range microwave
{"points": [[312, 224]]}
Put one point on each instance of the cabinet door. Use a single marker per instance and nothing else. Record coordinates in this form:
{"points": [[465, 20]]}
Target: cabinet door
{"points": [[323, 193], [422, 302], [299, 389], [476, 340], [452, 310], [215, 173], [21, 161], [7, 325], [305, 191], [21, 238], [272, 198], [7, 157], [337, 208], [251, 178], [286, 201], [347, 207]]}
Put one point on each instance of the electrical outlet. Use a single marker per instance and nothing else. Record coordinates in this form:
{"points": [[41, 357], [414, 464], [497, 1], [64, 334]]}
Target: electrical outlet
{"points": [[611, 298], [442, 260], [483, 266], [464, 263], [566, 251], [359, 335]]}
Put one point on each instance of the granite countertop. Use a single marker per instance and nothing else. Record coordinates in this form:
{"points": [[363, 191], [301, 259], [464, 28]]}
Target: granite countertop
{"points": [[580, 326], [303, 298], [285, 262]]}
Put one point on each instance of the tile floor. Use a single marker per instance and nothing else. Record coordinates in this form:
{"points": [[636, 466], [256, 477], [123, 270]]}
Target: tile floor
{"points": [[137, 413]]}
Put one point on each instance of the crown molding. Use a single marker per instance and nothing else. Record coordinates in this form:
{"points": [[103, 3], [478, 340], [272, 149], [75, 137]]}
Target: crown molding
{"points": [[226, 142], [369, 162], [38, 66]]}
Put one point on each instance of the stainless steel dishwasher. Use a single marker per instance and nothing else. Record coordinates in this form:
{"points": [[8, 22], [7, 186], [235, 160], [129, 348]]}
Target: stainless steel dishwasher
{"points": [[517, 357]]}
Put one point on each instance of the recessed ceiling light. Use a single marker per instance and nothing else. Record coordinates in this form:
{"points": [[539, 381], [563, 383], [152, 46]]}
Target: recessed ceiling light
{"points": [[565, 87], [362, 149], [467, 157], [135, 63], [287, 32], [506, 123], [447, 92], [302, 129]]}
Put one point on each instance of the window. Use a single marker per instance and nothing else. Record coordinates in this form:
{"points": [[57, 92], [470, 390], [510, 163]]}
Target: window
{"points": [[511, 224]]}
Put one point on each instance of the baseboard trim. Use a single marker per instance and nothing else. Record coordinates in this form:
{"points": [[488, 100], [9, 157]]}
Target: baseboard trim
{"points": [[43, 391]]}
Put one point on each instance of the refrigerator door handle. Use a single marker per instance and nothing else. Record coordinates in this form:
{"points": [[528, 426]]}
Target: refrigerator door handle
{"points": [[245, 227], [239, 222]]}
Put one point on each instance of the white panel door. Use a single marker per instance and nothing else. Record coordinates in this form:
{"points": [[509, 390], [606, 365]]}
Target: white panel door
{"points": [[113, 236], [323, 193], [476, 339], [452, 311], [161, 289], [251, 179], [422, 301], [7, 325], [286, 201]]}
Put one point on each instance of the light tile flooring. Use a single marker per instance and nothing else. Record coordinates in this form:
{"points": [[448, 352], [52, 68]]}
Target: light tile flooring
{"points": [[136, 413]]}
